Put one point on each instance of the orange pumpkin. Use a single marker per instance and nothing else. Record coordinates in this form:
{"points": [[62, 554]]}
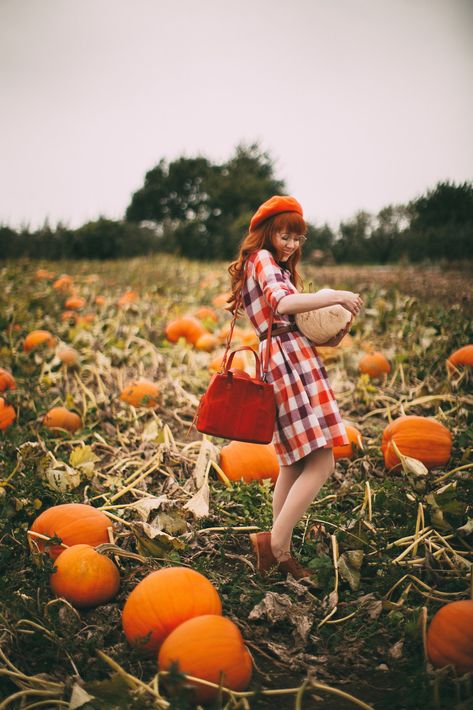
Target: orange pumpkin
{"points": [[212, 648], [222, 334], [462, 356], [74, 523], [7, 381], [127, 297], [162, 601], [74, 303], [207, 342], [62, 418], [240, 460], [374, 364], [204, 313], [237, 362], [140, 393], [186, 327], [67, 315], [249, 337], [85, 319], [7, 414], [347, 451], [44, 274], [422, 438], [63, 283], [68, 355], [220, 301], [450, 636], [37, 338], [100, 300], [84, 577]]}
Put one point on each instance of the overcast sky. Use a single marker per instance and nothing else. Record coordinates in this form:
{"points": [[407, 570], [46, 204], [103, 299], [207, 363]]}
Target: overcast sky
{"points": [[361, 103]]}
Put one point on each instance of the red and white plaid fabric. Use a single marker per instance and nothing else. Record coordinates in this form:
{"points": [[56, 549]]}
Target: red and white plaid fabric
{"points": [[307, 412]]}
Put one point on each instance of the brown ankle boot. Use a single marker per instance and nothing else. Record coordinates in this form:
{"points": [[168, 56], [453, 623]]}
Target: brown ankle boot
{"points": [[294, 567], [261, 543]]}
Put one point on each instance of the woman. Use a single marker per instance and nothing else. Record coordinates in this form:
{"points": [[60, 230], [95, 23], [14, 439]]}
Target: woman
{"points": [[308, 421]]}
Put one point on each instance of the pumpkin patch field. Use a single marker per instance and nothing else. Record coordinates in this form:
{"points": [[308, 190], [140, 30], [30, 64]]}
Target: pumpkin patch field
{"points": [[127, 575]]}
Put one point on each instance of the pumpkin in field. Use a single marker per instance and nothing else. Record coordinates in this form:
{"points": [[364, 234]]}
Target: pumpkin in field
{"points": [[74, 523], [62, 418], [347, 451], [207, 342], [450, 636], [222, 334], [69, 315], [206, 313], [462, 356], [422, 438], [186, 327], [68, 355], [162, 601], [63, 283], [323, 324], [84, 577], [240, 460], [211, 648], [374, 364], [220, 300], [37, 338], [127, 298], [100, 300], [7, 414], [238, 363], [44, 274], [7, 381], [140, 393], [249, 337], [74, 303]]}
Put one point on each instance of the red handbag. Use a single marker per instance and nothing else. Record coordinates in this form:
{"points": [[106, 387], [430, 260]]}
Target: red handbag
{"points": [[239, 407]]}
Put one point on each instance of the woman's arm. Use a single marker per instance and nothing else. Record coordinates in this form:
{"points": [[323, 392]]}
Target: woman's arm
{"points": [[303, 302]]}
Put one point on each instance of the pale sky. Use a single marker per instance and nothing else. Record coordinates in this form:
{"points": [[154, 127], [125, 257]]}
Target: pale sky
{"points": [[361, 103]]}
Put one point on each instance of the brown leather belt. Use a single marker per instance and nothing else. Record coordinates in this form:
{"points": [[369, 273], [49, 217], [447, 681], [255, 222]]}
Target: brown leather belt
{"points": [[279, 330]]}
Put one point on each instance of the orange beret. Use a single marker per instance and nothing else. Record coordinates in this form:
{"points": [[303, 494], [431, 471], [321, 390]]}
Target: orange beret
{"points": [[275, 205]]}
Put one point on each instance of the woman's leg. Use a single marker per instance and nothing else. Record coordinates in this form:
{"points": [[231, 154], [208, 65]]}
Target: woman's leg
{"points": [[317, 467], [284, 482]]}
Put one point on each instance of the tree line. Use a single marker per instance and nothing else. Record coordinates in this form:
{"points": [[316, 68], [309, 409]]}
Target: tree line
{"points": [[200, 210]]}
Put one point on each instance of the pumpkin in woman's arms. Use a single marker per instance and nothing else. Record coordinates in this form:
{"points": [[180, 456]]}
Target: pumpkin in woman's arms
{"points": [[323, 324], [422, 438], [450, 636], [84, 577], [209, 647]]}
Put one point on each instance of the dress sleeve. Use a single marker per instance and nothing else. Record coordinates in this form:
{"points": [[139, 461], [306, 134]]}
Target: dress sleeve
{"points": [[269, 277]]}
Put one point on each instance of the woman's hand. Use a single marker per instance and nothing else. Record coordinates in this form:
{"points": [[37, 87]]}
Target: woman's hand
{"points": [[349, 300]]}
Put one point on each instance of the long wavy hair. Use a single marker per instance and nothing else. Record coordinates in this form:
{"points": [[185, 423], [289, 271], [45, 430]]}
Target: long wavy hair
{"points": [[263, 238]]}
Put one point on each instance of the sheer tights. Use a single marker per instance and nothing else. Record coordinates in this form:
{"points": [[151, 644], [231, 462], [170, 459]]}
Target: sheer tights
{"points": [[296, 488]]}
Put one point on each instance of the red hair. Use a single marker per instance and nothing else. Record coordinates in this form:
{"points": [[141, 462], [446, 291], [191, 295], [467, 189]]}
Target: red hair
{"points": [[262, 238]]}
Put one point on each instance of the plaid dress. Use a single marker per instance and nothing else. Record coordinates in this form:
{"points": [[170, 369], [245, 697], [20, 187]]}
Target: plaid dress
{"points": [[307, 412]]}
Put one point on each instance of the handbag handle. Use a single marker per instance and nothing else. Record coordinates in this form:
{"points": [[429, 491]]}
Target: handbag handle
{"points": [[244, 347], [223, 367]]}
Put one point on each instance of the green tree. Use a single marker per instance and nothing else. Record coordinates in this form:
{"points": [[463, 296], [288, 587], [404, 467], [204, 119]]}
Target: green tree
{"points": [[207, 206]]}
